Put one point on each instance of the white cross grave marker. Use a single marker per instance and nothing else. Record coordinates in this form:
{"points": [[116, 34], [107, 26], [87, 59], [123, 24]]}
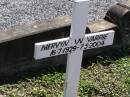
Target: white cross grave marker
{"points": [[74, 46]]}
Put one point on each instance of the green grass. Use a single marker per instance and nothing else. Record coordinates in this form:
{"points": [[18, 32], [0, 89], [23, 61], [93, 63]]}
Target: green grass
{"points": [[104, 77]]}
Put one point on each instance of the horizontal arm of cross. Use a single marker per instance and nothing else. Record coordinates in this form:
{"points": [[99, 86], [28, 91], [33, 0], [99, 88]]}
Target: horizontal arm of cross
{"points": [[63, 46]]}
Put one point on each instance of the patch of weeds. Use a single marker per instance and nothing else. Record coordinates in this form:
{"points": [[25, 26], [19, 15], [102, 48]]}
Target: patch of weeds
{"points": [[106, 80], [50, 85], [105, 77]]}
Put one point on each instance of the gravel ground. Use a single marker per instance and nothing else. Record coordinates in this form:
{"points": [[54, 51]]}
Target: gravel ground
{"points": [[25, 12]]}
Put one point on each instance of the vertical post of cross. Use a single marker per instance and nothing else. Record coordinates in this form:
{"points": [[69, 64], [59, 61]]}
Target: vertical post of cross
{"points": [[74, 60]]}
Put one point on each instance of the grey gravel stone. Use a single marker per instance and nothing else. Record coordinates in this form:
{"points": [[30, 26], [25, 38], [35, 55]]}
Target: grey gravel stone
{"points": [[26, 12]]}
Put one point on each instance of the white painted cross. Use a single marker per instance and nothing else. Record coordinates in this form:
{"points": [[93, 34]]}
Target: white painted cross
{"points": [[74, 46]]}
